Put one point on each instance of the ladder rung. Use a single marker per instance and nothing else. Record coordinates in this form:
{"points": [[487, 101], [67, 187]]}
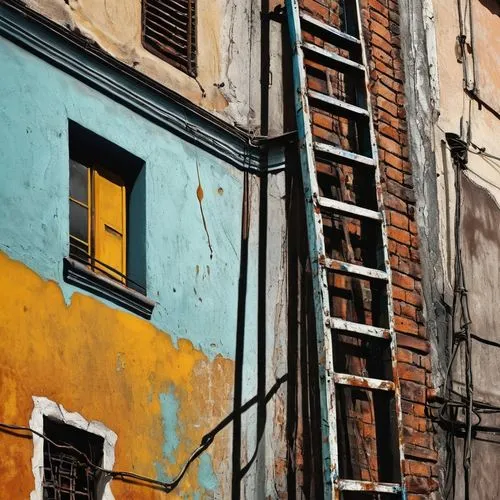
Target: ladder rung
{"points": [[354, 485], [341, 155], [329, 33], [348, 209], [358, 328], [331, 59], [341, 108], [354, 270], [363, 382]]}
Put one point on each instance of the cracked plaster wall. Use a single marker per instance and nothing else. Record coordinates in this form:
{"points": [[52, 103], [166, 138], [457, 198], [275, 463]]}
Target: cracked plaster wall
{"points": [[228, 49], [437, 103]]}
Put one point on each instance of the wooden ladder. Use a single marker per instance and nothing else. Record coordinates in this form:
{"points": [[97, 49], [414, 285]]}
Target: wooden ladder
{"points": [[331, 81]]}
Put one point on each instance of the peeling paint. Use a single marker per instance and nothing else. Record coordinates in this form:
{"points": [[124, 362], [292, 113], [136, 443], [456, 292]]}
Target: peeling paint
{"points": [[116, 27], [169, 407], [206, 476]]}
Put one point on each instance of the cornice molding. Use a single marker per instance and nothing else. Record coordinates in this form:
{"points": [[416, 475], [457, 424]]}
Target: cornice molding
{"points": [[75, 55]]}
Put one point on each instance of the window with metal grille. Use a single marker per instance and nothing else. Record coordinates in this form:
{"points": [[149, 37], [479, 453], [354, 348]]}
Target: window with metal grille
{"points": [[66, 453], [169, 31]]}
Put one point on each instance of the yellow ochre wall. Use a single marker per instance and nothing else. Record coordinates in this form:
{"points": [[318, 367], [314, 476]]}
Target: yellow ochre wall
{"points": [[109, 366]]}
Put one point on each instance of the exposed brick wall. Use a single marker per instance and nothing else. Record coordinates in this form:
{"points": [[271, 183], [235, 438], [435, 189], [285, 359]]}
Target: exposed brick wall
{"points": [[353, 299], [381, 32]]}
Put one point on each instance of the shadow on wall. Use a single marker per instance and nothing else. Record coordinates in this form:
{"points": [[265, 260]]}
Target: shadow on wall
{"points": [[492, 5], [302, 419]]}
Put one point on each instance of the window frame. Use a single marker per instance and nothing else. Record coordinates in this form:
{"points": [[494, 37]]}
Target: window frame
{"points": [[43, 407], [93, 151], [93, 173]]}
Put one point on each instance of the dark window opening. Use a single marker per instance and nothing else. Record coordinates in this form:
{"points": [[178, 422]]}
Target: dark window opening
{"points": [[66, 473], [106, 208], [169, 32]]}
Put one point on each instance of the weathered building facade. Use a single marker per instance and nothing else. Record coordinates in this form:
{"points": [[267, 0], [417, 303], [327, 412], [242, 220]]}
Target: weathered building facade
{"points": [[136, 293], [158, 290], [451, 55]]}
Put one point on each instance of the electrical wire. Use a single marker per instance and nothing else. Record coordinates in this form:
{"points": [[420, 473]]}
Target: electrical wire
{"points": [[167, 486], [460, 340]]}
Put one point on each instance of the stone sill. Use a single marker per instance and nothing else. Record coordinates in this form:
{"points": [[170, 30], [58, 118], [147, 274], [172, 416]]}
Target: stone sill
{"points": [[78, 274]]}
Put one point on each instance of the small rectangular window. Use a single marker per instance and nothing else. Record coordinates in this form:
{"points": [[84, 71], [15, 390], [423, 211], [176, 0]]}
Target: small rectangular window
{"points": [[98, 219], [169, 31], [66, 474], [107, 220]]}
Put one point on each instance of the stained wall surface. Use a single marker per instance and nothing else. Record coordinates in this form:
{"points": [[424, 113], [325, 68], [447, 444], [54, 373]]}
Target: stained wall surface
{"points": [[160, 385], [459, 112], [227, 42]]}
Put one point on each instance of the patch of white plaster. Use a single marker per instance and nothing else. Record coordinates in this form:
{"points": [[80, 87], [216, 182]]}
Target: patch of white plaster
{"points": [[43, 407]]}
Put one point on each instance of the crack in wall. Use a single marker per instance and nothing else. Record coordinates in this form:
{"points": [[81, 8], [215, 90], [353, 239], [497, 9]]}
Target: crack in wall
{"points": [[199, 195]]}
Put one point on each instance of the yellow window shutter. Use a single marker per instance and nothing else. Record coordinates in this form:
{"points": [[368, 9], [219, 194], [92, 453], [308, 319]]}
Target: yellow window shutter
{"points": [[109, 222]]}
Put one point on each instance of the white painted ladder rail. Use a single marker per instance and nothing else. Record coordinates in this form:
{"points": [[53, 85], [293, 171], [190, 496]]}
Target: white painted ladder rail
{"points": [[328, 379]]}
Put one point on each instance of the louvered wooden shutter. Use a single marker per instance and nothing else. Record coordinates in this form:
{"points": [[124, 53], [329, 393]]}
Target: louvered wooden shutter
{"points": [[169, 31]]}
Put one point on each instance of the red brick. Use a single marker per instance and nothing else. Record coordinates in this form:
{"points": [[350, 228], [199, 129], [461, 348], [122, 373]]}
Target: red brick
{"points": [[404, 356], [411, 372], [394, 260], [415, 241], [397, 162], [323, 121], [394, 174], [409, 311], [380, 29], [390, 82], [412, 451], [414, 298], [387, 106], [391, 201], [415, 343], [413, 391], [402, 251], [399, 220], [398, 293], [377, 6], [400, 235], [405, 325], [403, 281], [425, 363], [390, 132], [414, 422], [316, 8], [425, 485], [382, 56], [415, 409], [385, 117], [417, 468], [402, 192], [380, 42], [375, 16]]}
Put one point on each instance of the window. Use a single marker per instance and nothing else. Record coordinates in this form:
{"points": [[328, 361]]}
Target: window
{"points": [[66, 475], [98, 219], [59, 472], [169, 31], [107, 221]]}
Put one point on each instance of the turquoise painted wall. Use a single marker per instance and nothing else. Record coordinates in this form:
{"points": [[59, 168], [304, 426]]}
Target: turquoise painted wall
{"points": [[196, 292]]}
